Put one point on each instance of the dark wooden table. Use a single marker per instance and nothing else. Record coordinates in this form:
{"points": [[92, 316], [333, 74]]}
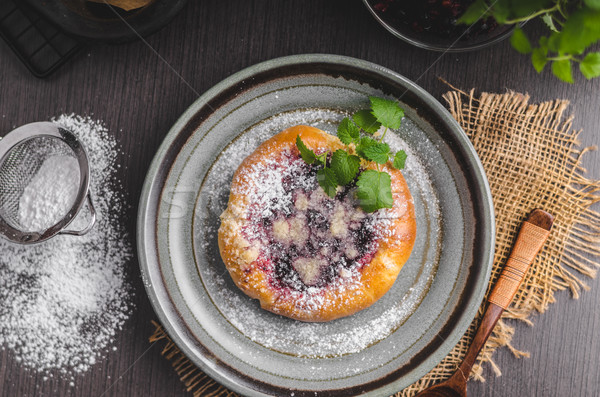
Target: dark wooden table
{"points": [[140, 89]]}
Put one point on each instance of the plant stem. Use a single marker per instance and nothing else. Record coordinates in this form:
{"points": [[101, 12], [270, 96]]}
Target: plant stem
{"points": [[558, 21], [531, 16], [383, 135], [564, 57], [560, 10]]}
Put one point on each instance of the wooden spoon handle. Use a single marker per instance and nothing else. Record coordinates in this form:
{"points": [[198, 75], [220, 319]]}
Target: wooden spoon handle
{"points": [[531, 238]]}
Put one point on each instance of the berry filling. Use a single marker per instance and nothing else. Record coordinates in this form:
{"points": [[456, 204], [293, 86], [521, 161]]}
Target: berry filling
{"points": [[304, 238]]}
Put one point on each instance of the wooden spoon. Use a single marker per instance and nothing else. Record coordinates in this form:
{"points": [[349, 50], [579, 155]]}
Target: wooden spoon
{"points": [[533, 234]]}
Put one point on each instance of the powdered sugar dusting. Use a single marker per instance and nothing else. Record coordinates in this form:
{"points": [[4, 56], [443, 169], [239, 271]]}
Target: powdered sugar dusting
{"points": [[311, 340], [332, 339], [415, 170], [302, 237], [63, 301], [50, 193], [265, 184]]}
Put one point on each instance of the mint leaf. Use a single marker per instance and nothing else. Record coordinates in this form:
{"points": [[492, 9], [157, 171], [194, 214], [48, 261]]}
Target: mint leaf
{"points": [[400, 159], [539, 58], [520, 42], [377, 152], [365, 120], [365, 142], [562, 70], [387, 112], [549, 21], [348, 132], [579, 31], [374, 190], [322, 158], [474, 13], [500, 11], [345, 166], [593, 4], [552, 42], [590, 66], [327, 180], [307, 154]]}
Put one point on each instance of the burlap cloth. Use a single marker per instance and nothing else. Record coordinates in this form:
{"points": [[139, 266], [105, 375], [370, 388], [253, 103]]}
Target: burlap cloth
{"points": [[533, 160]]}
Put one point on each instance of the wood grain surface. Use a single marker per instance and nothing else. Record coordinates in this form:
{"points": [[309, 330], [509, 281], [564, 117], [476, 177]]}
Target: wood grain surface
{"points": [[139, 90]]}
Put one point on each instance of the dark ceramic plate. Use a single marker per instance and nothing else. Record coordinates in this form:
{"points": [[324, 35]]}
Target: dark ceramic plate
{"points": [[100, 22], [377, 351]]}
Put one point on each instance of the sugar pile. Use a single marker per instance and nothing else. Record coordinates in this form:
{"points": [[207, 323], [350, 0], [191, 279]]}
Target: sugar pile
{"points": [[62, 301], [50, 194]]}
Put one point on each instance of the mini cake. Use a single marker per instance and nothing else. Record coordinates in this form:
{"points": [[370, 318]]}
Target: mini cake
{"points": [[301, 253]]}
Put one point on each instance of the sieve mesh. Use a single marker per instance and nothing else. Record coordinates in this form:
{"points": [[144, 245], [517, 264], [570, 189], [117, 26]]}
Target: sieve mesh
{"points": [[18, 169]]}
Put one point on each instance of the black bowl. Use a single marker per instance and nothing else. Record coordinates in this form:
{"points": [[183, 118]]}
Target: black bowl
{"points": [[458, 40]]}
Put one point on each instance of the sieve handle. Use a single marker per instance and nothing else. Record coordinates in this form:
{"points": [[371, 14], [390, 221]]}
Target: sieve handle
{"points": [[89, 226]]}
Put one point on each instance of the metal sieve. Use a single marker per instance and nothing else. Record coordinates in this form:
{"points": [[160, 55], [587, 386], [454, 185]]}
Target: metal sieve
{"points": [[23, 153]]}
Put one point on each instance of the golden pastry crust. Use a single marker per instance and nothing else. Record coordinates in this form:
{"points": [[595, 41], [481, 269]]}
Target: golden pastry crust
{"points": [[349, 288]]}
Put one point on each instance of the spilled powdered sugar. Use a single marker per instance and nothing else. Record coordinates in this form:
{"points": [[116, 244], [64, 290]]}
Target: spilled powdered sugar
{"points": [[333, 339], [63, 301]]}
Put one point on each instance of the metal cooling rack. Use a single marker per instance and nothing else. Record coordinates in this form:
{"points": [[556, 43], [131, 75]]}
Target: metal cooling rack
{"points": [[41, 46]]}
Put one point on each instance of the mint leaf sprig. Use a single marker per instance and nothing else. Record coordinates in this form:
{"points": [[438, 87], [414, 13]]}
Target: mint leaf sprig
{"points": [[574, 27], [374, 189]]}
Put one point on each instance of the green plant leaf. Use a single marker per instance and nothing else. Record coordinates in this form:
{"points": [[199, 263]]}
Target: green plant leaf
{"points": [[562, 70], [365, 120], [328, 181], [387, 112], [593, 4], [552, 43], [520, 42], [547, 18], [580, 30], [322, 158], [475, 11], [590, 65], [501, 11], [400, 159], [345, 166], [307, 154], [348, 132], [377, 152], [365, 142], [539, 58], [374, 190]]}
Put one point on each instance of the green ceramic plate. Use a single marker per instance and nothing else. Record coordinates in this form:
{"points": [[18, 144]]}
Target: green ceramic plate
{"points": [[377, 351]]}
